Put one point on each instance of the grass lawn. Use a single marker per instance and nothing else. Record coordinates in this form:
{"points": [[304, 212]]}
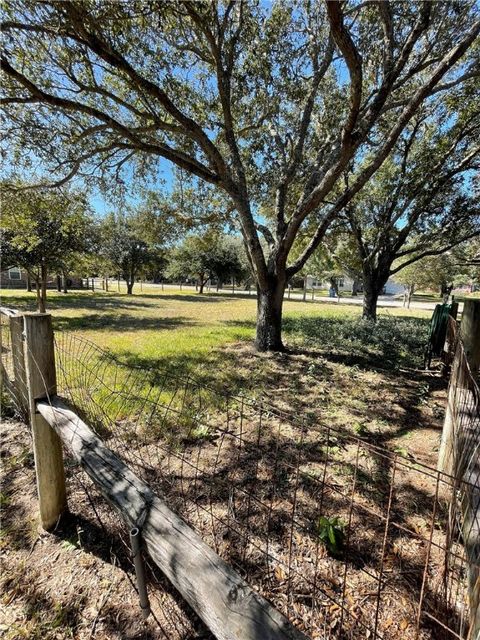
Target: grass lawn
{"points": [[337, 370]]}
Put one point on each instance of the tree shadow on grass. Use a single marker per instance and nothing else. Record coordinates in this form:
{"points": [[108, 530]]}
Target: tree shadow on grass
{"points": [[393, 342], [118, 322], [113, 300]]}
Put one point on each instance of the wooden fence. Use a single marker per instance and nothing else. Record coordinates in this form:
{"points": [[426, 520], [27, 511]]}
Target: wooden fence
{"points": [[217, 593], [287, 469], [459, 454]]}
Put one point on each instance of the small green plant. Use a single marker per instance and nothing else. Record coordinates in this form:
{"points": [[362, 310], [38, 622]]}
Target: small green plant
{"points": [[331, 531], [360, 429], [200, 432], [4, 499]]}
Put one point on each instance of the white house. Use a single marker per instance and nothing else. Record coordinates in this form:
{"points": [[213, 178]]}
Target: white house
{"points": [[345, 285]]}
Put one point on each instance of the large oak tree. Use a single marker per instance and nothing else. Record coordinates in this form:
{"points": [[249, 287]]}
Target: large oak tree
{"points": [[270, 103]]}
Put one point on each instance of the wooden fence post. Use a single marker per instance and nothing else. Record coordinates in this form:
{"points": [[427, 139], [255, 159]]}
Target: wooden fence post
{"points": [[470, 336], [19, 371], [460, 403], [470, 332], [47, 447]]}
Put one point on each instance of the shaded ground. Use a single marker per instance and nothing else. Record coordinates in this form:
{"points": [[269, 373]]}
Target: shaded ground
{"points": [[77, 581], [338, 372]]}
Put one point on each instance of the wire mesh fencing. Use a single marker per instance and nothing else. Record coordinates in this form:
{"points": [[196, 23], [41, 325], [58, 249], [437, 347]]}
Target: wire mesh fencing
{"points": [[460, 458], [346, 539]]}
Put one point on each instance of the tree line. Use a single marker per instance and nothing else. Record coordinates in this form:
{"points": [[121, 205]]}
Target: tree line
{"points": [[55, 232]]}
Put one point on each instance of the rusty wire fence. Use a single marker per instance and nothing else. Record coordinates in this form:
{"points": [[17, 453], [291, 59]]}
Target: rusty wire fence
{"points": [[348, 540], [460, 457]]}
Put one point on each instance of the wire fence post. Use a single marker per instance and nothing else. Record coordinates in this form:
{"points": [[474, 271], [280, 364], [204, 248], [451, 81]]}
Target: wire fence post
{"points": [[470, 332], [41, 383], [18, 363]]}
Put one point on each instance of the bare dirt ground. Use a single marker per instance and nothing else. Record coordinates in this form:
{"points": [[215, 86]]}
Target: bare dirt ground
{"points": [[74, 582]]}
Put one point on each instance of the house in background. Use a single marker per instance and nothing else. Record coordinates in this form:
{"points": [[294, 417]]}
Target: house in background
{"points": [[13, 278], [17, 278], [345, 285]]}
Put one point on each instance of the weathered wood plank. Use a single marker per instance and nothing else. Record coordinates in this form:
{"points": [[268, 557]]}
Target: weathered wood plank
{"points": [[222, 599], [18, 361], [8, 311]]}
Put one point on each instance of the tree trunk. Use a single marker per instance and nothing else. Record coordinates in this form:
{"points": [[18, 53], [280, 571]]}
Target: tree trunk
{"points": [[59, 283], [373, 283], [305, 288], [334, 286], [410, 291], [43, 289], [106, 283], [39, 296], [29, 282], [355, 288], [269, 317], [370, 300], [65, 286], [200, 286]]}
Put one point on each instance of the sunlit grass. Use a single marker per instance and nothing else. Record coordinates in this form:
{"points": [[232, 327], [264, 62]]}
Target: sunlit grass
{"points": [[169, 324], [338, 370]]}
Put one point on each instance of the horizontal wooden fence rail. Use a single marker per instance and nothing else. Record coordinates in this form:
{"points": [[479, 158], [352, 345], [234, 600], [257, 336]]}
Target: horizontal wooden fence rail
{"points": [[221, 598]]}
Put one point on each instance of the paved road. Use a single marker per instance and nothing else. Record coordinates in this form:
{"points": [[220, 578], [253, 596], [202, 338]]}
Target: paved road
{"points": [[383, 301]]}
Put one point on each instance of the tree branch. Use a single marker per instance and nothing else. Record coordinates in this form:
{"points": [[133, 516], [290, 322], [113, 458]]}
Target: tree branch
{"points": [[435, 252], [177, 157], [353, 60]]}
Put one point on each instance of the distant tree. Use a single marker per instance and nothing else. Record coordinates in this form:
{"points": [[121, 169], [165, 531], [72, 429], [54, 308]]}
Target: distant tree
{"points": [[346, 255], [268, 102], [467, 263], [442, 272], [429, 273], [206, 256], [42, 231], [229, 261], [324, 265], [124, 246]]}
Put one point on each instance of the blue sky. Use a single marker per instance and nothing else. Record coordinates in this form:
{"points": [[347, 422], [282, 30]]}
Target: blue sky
{"points": [[102, 205]]}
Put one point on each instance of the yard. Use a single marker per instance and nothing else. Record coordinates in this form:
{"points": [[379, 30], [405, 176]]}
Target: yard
{"points": [[336, 368], [338, 373]]}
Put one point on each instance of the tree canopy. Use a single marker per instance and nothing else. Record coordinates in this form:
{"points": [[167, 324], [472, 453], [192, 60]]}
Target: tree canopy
{"points": [[44, 231], [269, 103], [206, 256], [424, 199]]}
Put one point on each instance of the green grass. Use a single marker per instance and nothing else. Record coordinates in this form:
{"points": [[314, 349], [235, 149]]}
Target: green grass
{"points": [[182, 328], [337, 369]]}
